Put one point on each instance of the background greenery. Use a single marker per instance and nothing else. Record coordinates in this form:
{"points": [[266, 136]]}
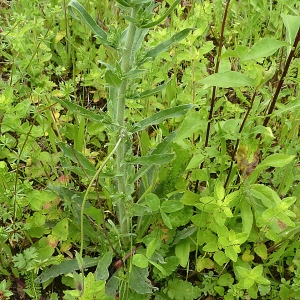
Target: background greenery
{"points": [[192, 193]]}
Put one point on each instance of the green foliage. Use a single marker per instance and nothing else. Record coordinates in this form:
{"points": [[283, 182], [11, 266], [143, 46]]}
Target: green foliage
{"points": [[149, 149]]}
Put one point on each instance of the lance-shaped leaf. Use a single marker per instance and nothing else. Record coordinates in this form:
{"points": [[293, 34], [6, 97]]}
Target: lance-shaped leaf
{"points": [[88, 20], [228, 79], [150, 92], [100, 116], [168, 11], [154, 52], [161, 116], [263, 48], [154, 159], [78, 158], [67, 266]]}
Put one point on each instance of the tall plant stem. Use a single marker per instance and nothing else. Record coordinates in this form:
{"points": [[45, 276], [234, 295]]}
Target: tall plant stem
{"points": [[280, 83], [213, 96], [126, 65]]}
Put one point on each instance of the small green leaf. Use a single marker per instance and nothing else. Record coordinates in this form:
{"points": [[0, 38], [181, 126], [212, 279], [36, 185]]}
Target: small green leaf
{"points": [[244, 272], [247, 216], [182, 251], [220, 258], [166, 220], [151, 247], [102, 266], [140, 260], [228, 79], [61, 230], [211, 247], [152, 201], [219, 191], [170, 206], [161, 116], [231, 253], [261, 250]]}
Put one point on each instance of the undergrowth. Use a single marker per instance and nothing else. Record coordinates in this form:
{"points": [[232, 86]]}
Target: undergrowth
{"points": [[149, 149]]}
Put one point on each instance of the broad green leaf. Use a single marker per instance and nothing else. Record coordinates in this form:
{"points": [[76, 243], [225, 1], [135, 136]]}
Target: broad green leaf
{"points": [[139, 282], [152, 201], [211, 247], [101, 272], [190, 198], [276, 160], [228, 79], [140, 260], [170, 206], [291, 24], [248, 282], [164, 46], [220, 258], [61, 230], [264, 193], [256, 272], [159, 267], [98, 31], [100, 116], [247, 216], [161, 116], [192, 123], [261, 250], [182, 251], [166, 220], [154, 159], [65, 267], [244, 272], [263, 48]]}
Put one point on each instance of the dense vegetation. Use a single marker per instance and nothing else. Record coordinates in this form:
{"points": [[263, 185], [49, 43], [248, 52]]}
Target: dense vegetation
{"points": [[149, 149]]}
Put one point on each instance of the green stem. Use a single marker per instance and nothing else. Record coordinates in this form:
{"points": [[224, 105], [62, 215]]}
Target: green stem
{"points": [[126, 65], [122, 135]]}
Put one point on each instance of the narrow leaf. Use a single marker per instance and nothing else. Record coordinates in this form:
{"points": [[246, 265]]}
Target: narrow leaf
{"points": [[164, 46], [169, 10], [67, 266], [99, 32], [228, 79], [100, 116], [161, 116], [78, 158], [155, 159]]}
